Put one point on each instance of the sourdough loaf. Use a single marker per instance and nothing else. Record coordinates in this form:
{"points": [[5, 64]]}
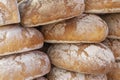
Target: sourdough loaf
{"points": [[85, 28], [82, 58], [41, 12]]}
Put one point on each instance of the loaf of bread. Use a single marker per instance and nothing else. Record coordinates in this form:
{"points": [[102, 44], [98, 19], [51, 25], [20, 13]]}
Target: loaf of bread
{"points": [[9, 13], [41, 12], [114, 45], [82, 58], [15, 39], [102, 6], [41, 78], [85, 28], [115, 73], [61, 74], [113, 21], [24, 66]]}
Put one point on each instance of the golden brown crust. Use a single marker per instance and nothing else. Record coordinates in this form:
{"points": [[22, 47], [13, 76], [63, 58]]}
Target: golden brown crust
{"points": [[113, 21], [24, 66], [114, 45], [83, 58], [115, 73], [9, 13], [15, 39], [102, 6], [85, 28], [41, 12], [61, 74]]}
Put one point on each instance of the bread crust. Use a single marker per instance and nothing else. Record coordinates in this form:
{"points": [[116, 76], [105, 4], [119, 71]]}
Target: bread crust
{"points": [[113, 21], [82, 58], [61, 74], [9, 13], [114, 45], [102, 6], [85, 28], [115, 73], [24, 66], [15, 39], [41, 12]]}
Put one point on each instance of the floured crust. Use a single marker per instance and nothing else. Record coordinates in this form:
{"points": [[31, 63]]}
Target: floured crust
{"points": [[61, 74], [9, 13], [15, 39], [102, 6], [113, 21], [24, 66], [41, 12], [85, 28], [82, 58], [115, 73], [114, 45]]}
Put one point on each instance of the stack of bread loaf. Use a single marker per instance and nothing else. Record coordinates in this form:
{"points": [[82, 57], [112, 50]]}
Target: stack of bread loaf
{"points": [[19, 57], [81, 39]]}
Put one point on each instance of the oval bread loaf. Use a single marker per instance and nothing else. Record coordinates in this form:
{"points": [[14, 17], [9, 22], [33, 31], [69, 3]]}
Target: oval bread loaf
{"points": [[41, 12], [82, 58], [24, 66], [15, 39], [85, 28]]}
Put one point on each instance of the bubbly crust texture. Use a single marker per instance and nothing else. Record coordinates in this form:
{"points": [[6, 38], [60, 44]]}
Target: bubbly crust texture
{"points": [[115, 73], [15, 39], [41, 12], [24, 66], [82, 58], [114, 45], [102, 6], [41, 78], [85, 28], [9, 13], [113, 21], [61, 74]]}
